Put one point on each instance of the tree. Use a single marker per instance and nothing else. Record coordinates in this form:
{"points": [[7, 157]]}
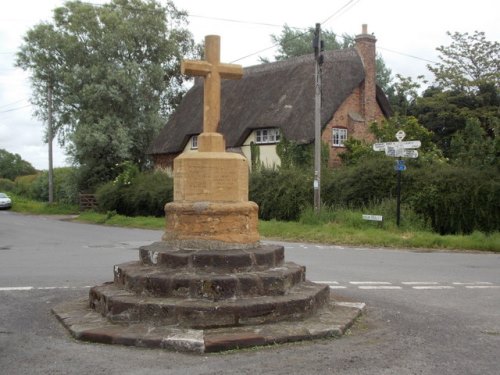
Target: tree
{"points": [[472, 147], [114, 73], [295, 42], [467, 85], [404, 93], [468, 63], [12, 166]]}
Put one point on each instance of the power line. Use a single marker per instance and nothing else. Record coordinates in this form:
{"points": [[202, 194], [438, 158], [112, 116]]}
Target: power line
{"points": [[344, 8], [9, 104], [407, 55], [16, 109]]}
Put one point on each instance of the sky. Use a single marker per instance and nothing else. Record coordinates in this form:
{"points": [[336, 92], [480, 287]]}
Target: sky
{"points": [[407, 32]]}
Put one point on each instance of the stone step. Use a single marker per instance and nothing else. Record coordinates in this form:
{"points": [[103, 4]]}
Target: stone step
{"points": [[163, 282], [123, 306], [261, 257]]}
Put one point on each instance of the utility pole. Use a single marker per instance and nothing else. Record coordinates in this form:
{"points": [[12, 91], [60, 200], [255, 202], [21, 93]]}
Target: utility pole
{"points": [[50, 136], [318, 56]]}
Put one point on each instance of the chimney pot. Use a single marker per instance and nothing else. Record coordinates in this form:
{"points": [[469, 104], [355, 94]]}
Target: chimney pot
{"points": [[364, 29]]}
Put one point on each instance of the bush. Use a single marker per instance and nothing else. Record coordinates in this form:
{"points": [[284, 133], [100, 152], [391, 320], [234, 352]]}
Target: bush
{"points": [[6, 185], [23, 184], [281, 193], [457, 199], [65, 188], [145, 194], [360, 185]]}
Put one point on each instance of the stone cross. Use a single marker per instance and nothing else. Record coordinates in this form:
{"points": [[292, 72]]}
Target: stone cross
{"points": [[212, 70]]}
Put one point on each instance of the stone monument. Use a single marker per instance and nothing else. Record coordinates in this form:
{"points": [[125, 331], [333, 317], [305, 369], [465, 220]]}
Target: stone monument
{"points": [[209, 284]]}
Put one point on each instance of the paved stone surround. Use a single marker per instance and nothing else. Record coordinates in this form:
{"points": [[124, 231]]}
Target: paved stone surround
{"points": [[87, 325]]}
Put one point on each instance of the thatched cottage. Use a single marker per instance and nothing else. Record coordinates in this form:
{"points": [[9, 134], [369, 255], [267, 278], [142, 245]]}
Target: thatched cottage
{"points": [[276, 100]]}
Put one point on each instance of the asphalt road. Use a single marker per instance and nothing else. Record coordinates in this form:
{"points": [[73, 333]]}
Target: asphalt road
{"points": [[428, 312]]}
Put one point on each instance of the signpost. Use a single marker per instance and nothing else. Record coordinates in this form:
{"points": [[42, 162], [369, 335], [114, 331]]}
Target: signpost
{"points": [[399, 150]]}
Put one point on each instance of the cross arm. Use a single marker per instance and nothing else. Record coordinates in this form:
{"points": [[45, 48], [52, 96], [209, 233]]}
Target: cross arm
{"points": [[230, 71], [195, 68]]}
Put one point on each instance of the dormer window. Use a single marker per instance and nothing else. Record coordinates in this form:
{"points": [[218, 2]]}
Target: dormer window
{"points": [[266, 136], [194, 142]]}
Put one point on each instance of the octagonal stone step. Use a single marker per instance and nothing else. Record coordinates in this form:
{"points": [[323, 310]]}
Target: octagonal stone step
{"points": [[261, 257], [119, 305], [166, 282]]}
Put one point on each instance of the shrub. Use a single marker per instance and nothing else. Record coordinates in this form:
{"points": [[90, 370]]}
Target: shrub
{"points": [[281, 193], [144, 194], [65, 188], [360, 185], [457, 199], [6, 184], [23, 185]]}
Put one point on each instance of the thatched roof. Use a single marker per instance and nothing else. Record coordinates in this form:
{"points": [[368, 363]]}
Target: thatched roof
{"points": [[279, 94]]}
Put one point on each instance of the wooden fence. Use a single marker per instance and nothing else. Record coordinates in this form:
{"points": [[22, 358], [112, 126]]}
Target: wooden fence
{"points": [[87, 202]]}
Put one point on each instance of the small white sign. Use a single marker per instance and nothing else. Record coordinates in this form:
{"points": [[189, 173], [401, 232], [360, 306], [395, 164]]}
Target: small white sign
{"points": [[412, 154], [373, 217], [407, 144]]}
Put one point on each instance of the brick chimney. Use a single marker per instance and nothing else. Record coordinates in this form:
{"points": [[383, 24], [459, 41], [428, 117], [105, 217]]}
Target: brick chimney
{"points": [[365, 45]]}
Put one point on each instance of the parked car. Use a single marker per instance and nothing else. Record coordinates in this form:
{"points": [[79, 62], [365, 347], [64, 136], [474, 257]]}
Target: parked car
{"points": [[5, 201]]}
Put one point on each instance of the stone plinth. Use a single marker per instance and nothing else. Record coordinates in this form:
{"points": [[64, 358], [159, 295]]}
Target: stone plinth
{"points": [[221, 225], [210, 177], [211, 202]]}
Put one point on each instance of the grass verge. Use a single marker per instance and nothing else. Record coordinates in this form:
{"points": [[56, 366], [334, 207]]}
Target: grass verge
{"points": [[344, 227]]}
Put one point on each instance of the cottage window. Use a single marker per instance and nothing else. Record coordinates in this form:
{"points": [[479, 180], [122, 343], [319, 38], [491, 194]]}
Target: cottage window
{"points": [[263, 136], [194, 142], [339, 136]]}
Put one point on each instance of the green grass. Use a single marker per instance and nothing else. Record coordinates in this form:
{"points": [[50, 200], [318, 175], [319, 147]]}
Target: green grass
{"points": [[340, 227], [25, 205], [142, 222], [344, 234]]}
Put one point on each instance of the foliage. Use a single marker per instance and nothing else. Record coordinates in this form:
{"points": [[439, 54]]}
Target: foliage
{"points": [[6, 185], [65, 189], [467, 82], [281, 193], [114, 73], [446, 112], [12, 166], [358, 151], [473, 148], [468, 63], [403, 93], [299, 155], [457, 199], [361, 184], [297, 42], [23, 184], [144, 194]]}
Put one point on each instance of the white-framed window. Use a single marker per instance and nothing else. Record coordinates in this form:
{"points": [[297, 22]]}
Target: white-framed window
{"points": [[339, 136], [271, 135], [194, 142]]}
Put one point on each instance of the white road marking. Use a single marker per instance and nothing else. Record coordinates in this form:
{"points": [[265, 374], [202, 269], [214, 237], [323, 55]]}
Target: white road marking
{"points": [[23, 288], [433, 287], [369, 283], [419, 283], [337, 287], [482, 286], [475, 283], [379, 287]]}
